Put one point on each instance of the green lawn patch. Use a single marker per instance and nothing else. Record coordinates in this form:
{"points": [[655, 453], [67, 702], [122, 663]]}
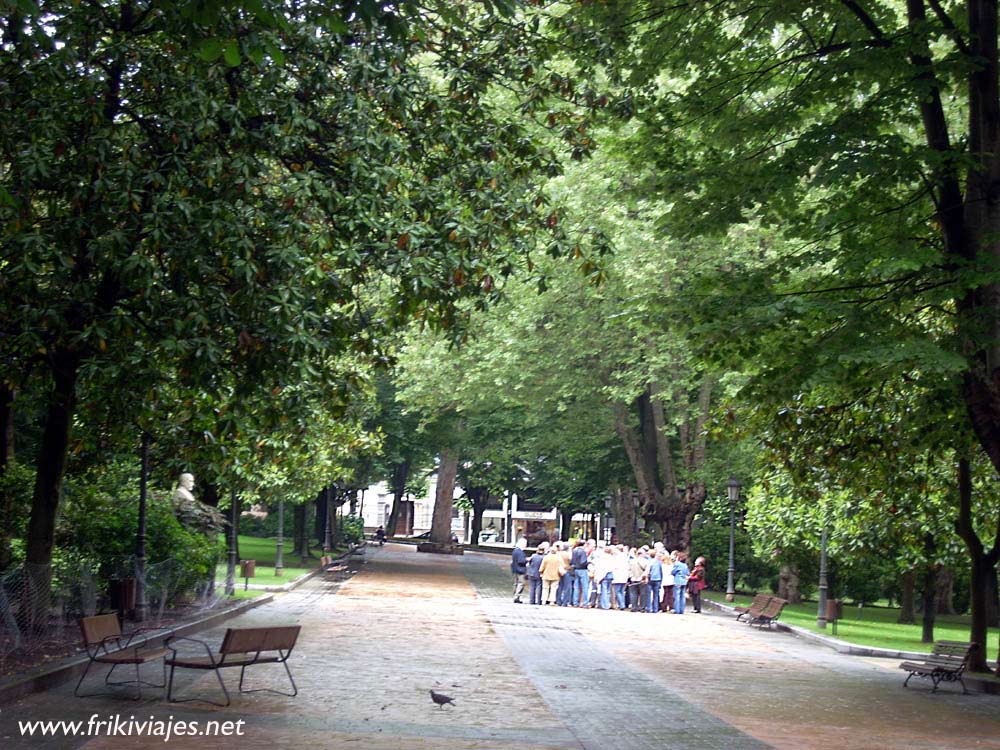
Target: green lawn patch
{"points": [[876, 626], [264, 551]]}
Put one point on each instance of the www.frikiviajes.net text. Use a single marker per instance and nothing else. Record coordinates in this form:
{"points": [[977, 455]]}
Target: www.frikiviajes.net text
{"points": [[117, 726]]}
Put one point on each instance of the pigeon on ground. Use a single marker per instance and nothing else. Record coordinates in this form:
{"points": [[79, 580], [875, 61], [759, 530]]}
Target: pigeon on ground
{"points": [[441, 699]]}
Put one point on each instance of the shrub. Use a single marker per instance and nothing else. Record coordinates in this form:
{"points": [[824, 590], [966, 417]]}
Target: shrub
{"points": [[101, 529], [352, 529]]}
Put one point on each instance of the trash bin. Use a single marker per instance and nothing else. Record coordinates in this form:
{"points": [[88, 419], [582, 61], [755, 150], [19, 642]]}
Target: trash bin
{"points": [[248, 568], [834, 610], [121, 592]]}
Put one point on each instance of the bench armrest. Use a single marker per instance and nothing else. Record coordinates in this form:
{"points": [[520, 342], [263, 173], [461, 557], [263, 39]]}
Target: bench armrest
{"points": [[175, 638]]}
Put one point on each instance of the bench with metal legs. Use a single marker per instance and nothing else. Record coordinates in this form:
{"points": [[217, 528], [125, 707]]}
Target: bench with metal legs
{"points": [[946, 663], [243, 648], [106, 644]]}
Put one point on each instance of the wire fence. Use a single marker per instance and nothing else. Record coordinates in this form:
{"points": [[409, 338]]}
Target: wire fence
{"points": [[40, 605]]}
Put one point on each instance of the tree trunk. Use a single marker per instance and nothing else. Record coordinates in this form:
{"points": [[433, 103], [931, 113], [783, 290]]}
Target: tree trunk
{"points": [[444, 498], [7, 396], [983, 563], [676, 528], [296, 529], [566, 522], [930, 589], [907, 587], [788, 584], [945, 593], [623, 509], [400, 475], [50, 468], [480, 497], [8, 512]]}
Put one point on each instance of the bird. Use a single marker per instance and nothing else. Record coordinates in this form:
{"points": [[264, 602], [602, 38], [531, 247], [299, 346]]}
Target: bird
{"points": [[441, 699]]}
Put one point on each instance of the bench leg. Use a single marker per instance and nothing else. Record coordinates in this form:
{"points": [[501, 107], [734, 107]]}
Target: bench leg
{"points": [[218, 676], [908, 678], [76, 690], [295, 688]]}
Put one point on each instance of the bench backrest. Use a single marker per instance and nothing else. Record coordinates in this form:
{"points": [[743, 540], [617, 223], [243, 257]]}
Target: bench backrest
{"points": [[759, 604], [96, 628], [774, 607], [252, 640], [957, 649]]}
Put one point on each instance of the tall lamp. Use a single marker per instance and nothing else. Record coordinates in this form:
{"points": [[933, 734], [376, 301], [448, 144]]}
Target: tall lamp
{"points": [[734, 495]]}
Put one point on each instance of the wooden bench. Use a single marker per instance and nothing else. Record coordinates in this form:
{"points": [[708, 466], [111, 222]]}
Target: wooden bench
{"points": [[241, 647], [770, 614], [106, 644], [756, 606], [946, 663]]}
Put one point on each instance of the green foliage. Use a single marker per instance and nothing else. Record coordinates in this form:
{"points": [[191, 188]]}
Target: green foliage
{"points": [[99, 526], [15, 499], [752, 572], [252, 526], [352, 529]]}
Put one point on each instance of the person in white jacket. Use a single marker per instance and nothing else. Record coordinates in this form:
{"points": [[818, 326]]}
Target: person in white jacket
{"points": [[619, 575], [603, 575]]}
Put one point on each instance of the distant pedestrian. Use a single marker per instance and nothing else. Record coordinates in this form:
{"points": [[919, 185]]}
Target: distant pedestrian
{"points": [[535, 575], [638, 579], [519, 567], [551, 570], [565, 591], [696, 582], [680, 572], [619, 575], [581, 580], [667, 602], [655, 582]]}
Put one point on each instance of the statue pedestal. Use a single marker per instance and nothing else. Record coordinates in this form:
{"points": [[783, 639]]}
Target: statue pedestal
{"points": [[440, 549]]}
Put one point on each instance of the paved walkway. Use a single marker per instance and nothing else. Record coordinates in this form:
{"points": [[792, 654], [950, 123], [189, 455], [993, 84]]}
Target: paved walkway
{"points": [[531, 677]]}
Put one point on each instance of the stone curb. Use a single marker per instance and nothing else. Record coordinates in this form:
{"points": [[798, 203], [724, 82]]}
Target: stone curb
{"points": [[296, 582], [982, 684], [54, 675]]}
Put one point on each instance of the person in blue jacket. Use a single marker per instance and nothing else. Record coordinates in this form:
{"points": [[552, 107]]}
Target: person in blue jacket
{"points": [[655, 582], [681, 573], [535, 574]]}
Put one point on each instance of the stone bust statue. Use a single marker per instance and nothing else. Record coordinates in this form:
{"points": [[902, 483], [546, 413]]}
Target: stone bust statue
{"points": [[183, 492]]}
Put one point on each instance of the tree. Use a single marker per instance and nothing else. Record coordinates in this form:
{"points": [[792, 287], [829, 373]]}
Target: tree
{"points": [[227, 208]]}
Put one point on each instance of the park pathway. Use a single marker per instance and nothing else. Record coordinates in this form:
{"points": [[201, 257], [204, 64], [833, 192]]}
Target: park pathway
{"points": [[531, 677]]}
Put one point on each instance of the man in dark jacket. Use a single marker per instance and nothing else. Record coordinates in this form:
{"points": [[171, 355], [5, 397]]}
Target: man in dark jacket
{"points": [[519, 567], [581, 579], [535, 574]]}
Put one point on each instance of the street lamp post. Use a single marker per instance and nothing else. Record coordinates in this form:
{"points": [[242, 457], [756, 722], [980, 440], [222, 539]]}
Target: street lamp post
{"points": [[734, 495], [821, 613]]}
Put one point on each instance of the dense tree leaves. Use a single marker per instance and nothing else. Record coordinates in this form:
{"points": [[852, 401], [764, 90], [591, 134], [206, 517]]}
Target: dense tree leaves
{"points": [[221, 214]]}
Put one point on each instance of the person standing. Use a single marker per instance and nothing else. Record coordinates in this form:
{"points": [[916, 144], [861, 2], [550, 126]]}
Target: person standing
{"points": [[603, 566], [535, 575], [680, 572], [696, 582], [639, 579], [619, 575], [519, 567], [551, 570], [667, 602], [581, 580], [565, 591], [655, 581]]}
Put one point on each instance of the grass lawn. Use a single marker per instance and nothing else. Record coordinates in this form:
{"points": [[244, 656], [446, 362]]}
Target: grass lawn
{"points": [[877, 626], [264, 551]]}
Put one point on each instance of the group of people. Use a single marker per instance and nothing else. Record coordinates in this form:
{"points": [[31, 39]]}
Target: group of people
{"points": [[594, 574]]}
